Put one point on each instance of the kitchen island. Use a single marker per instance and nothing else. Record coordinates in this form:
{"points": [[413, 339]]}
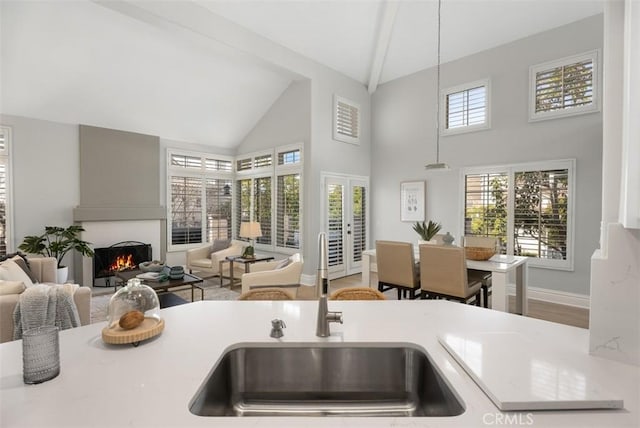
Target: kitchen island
{"points": [[151, 385]]}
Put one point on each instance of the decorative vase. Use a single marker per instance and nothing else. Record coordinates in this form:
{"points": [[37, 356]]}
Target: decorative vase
{"points": [[62, 275], [432, 242], [448, 239]]}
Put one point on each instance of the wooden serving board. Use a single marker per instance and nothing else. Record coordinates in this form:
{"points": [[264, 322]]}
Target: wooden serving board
{"points": [[149, 328]]}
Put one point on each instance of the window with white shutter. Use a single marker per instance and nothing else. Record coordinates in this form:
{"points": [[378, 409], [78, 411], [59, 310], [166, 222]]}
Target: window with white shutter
{"points": [[200, 194], [565, 87], [528, 206], [346, 120], [5, 194], [466, 108], [288, 211]]}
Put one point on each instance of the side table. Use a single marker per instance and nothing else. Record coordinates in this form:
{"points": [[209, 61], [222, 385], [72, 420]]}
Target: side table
{"points": [[247, 261]]}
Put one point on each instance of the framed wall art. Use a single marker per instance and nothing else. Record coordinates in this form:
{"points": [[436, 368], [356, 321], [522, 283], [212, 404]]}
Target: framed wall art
{"points": [[412, 201]]}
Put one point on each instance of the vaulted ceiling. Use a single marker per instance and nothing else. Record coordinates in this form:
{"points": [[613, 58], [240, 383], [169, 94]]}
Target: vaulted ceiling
{"points": [[140, 67]]}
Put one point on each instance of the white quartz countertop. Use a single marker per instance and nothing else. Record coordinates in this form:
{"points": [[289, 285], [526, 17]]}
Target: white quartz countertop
{"points": [[151, 386]]}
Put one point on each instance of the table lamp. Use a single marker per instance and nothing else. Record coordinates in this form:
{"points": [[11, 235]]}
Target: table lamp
{"points": [[251, 230]]}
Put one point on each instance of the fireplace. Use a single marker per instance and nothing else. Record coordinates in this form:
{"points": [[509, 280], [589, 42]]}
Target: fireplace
{"points": [[119, 257]]}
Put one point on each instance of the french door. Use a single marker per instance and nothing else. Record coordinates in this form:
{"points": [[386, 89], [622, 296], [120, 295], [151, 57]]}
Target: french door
{"points": [[346, 222]]}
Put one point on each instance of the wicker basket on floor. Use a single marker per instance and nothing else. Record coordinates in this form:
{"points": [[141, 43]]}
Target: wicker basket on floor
{"points": [[479, 253]]}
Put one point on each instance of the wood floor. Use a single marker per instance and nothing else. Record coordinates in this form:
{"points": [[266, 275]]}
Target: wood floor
{"points": [[554, 312]]}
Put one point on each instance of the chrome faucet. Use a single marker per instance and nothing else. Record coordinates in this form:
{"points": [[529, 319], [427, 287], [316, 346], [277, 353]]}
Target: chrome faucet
{"points": [[324, 316]]}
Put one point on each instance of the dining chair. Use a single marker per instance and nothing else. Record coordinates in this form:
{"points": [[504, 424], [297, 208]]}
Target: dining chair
{"points": [[357, 293], [397, 268], [479, 275], [266, 294], [443, 273]]}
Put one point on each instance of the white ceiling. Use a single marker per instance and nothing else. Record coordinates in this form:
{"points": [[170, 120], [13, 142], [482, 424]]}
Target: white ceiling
{"points": [[105, 64]]}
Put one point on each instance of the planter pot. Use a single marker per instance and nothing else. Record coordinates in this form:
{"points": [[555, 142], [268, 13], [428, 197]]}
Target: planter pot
{"points": [[63, 274], [432, 242]]}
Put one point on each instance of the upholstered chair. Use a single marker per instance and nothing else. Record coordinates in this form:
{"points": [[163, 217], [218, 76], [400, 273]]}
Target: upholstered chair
{"points": [[397, 268], [284, 273], [443, 273], [207, 259]]}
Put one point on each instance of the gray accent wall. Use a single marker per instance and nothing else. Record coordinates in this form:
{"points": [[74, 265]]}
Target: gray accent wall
{"points": [[403, 141], [119, 175]]}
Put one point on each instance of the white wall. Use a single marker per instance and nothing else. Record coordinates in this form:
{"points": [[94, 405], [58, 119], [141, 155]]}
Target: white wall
{"points": [[403, 127], [45, 160]]}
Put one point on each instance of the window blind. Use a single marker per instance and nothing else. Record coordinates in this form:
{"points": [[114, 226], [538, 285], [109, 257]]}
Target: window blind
{"points": [[186, 210], [486, 205], [183, 161], [243, 164], [346, 121], [466, 107], [262, 161], [359, 222], [564, 87], [335, 227], [218, 200], [288, 211], [540, 214], [3, 207], [243, 202], [217, 165], [262, 207]]}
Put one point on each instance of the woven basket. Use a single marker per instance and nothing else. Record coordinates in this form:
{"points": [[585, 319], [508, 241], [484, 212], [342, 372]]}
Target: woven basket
{"points": [[479, 253]]}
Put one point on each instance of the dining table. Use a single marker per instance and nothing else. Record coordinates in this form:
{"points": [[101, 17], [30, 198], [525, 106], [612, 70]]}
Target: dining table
{"points": [[505, 270]]}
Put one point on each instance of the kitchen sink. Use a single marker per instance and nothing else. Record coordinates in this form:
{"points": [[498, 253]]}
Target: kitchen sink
{"points": [[325, 379]]}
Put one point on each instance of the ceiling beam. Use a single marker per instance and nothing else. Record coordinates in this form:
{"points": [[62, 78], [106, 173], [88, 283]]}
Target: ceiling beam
{"points": [[382, 44]]}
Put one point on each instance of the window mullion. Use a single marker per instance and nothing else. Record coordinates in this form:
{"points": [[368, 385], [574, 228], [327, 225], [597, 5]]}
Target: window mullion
{"points": [[511, 212]]}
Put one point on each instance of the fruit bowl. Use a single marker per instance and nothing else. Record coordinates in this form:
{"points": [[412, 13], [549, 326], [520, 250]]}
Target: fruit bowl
{"points": [[153, 266]]}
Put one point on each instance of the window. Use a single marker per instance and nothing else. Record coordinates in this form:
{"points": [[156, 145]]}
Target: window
{"points": [[5, 194], [565, 87], [528, 206], [465, 108], [271, 195], [200, 195], [346, 120]]}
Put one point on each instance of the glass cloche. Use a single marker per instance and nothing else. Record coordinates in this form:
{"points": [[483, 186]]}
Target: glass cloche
{"points": [[135, 296]]}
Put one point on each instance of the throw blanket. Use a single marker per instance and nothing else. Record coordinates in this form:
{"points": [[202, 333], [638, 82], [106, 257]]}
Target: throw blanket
{"points": [[46, 304]]}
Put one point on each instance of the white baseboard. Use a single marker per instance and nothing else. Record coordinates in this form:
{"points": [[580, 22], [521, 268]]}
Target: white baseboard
{"points": [[554, 296]]}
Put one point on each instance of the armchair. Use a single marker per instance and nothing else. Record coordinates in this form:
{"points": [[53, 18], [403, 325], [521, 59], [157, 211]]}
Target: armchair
{"points": [[204, 260], [268, 274], [443, 273], [44, 271]]}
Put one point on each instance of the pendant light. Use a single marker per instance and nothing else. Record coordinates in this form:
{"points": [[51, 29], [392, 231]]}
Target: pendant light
{"points": [[438, 164]]}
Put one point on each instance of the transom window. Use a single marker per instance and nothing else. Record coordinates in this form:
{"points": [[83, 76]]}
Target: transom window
{"points": [[465, 108], [565, 87], [346, 120], [528, 206]]}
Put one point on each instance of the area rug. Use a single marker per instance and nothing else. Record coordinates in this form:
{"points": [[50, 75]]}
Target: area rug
{"points": [[212, 291]]}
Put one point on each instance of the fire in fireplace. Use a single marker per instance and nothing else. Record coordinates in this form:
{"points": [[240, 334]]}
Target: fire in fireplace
{"points": [[119, 257]]}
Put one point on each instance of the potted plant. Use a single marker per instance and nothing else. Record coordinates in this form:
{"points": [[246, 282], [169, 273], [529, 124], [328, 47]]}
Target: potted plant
{"points": [[57, 242], [426, 231]]}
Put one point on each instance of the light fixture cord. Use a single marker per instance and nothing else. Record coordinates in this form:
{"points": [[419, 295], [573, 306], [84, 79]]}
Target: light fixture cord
{"points": [[438, 91]]}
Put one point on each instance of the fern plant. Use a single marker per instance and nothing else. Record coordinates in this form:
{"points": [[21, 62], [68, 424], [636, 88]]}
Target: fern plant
{"points": [[427, 231]]}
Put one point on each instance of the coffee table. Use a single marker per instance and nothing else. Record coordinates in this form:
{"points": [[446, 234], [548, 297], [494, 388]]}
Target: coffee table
{"points": [[164, 286]]}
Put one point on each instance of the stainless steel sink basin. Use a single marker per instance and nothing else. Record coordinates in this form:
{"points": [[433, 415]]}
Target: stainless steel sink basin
{"points": [[325, 380]]}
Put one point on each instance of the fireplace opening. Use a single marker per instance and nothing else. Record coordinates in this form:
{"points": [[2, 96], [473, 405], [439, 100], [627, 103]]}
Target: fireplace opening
{"points": [[119, 257]]}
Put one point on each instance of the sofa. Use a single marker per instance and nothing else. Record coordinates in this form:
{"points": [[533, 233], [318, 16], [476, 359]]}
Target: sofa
{"points": [[44, 270], [207, 259], [276, 274]]}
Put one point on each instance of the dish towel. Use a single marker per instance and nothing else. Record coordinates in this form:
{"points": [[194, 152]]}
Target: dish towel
{"points": [[46, 304]]}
